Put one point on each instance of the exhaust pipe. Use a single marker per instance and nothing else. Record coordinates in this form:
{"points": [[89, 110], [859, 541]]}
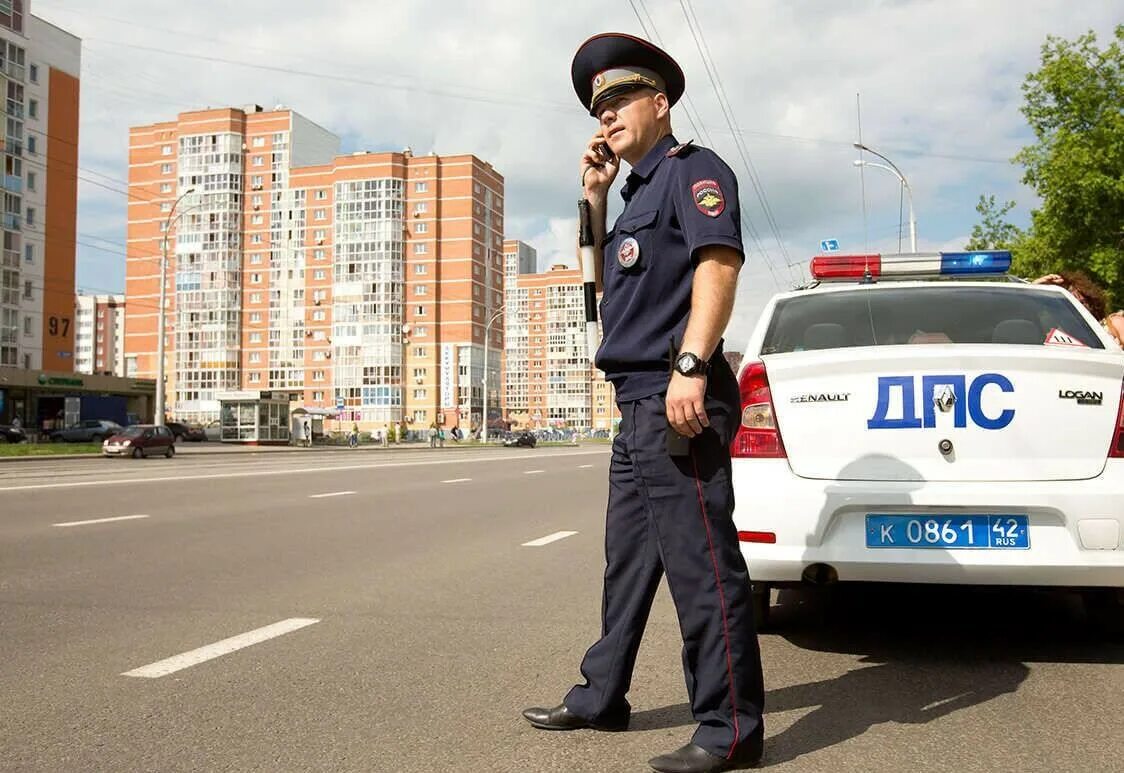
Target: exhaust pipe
{"points": [[820, 574]]}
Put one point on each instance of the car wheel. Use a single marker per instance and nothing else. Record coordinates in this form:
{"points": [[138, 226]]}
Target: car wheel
{"points": [[170, 452], [97, 438], [762, 604]]}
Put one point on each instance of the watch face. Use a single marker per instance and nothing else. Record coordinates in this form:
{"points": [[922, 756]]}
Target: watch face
{"points": [[685, 363]]}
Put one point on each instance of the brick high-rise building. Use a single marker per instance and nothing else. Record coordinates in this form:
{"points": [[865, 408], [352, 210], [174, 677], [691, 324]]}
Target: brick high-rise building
{"points": [[367, 278], [99, 334], [40, 66], [548, 379]]}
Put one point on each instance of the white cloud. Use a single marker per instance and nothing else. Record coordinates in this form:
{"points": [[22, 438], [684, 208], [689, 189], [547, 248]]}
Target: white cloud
{"points": [[939, 82]]}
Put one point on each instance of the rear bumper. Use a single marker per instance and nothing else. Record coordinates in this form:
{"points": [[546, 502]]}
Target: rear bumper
{"points": [[1076, 528]]}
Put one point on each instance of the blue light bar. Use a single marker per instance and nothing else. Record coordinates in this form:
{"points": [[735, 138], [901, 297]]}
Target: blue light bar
{"points": [[984, 262]]}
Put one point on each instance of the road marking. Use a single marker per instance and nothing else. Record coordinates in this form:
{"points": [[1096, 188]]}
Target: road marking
{"points": [[219, 648], [532, 472], [538, 543], [330, 494], [100, 520], [584, 466], [457, 480], [287, 471]]}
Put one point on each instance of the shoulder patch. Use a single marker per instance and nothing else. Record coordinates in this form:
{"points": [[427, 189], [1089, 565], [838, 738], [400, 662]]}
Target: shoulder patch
{"points": [[708, 197], [679, 148]]}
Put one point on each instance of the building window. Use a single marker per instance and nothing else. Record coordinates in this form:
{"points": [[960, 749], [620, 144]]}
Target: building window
{"points": [[255, 279], [317, 397], [257, 220], [165, 169], [255, 181], [255, 378], [259, 161], [421, 187], [255, 259], [319, 315], [320, 215], [259, 142], [319, 356], [419, 311], [28, 253], [318, 254], [31, 181], [421, 331], [321, 195], [422, 228], [255, 317], [419, 351], [255, 338], [318, 375], [419, 394], [32, 145], [166, 206], [255, 357], [421, 248], [27, 326], [421, 269], [421, 290], [166, 150], [319, 274], [31, 215], [318, 236], [256, 200], [255, 297], [419, 372], [33, 73], [27, 296], [421, 207], [255, 239], [33, 108]]}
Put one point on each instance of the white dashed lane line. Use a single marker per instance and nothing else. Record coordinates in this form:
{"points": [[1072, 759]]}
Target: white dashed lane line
{"points": [[538, 543], [330, 494], [101, 520], [532, 472], [457, 480], [584, 466], [219, 648]]}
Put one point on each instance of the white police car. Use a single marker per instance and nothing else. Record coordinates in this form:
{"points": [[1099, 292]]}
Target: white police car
{"points": [[927, 419]]}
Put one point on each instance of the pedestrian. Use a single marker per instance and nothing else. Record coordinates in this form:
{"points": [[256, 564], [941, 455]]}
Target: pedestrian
{"points": [[440, 437], [386, 436], [16, 423], [1090, 295], [671, 503], [353, 437]]}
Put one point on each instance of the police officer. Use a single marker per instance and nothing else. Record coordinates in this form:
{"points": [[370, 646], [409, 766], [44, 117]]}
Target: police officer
{"points": [[668, 269]]}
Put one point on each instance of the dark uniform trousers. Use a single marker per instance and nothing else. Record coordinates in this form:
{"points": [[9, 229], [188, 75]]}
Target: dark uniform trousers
{"points": [[674, 515]]}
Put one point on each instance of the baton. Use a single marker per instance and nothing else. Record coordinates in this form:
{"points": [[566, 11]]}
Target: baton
{"points": [[589, 275]]}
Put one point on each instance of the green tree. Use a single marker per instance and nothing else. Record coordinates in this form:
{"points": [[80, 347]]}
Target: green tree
{"points": [[1074, 104], [993, 232]]}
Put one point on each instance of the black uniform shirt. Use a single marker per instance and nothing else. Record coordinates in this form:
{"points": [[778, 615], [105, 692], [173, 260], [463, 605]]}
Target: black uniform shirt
{"points": [[678, 199]]}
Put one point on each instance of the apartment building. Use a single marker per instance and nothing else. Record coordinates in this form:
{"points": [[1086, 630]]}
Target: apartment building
{"points": [[548, 378], [364, 280], [40, 66], [99, 334]]}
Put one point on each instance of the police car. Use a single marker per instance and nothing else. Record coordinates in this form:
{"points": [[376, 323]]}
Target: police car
{"points": [[929, 419]]}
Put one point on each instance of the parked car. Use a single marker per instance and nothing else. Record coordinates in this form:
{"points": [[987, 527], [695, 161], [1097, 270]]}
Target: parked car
{"points": [[179, 429], [195, 434], [520, 439], [139, 441], [924, 419], [86, 431], [9, 434], [213, 431]]}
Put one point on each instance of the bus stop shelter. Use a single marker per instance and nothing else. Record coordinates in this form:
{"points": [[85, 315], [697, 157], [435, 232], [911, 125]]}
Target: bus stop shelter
{"points": [[255, 418]]}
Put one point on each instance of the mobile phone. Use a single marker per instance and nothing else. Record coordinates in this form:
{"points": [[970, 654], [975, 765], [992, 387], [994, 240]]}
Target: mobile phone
{"points": [[677, 445], [607, 152]]}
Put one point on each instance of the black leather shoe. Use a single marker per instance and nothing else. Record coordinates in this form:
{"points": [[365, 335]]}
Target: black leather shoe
{"points": [[561, 718], [695, 759]]}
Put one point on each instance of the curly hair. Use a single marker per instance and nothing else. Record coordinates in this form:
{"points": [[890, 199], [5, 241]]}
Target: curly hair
{"points": [[1092, 293]]}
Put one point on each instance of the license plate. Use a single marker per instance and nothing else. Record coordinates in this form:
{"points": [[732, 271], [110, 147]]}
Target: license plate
{"points": [[963, 532]]}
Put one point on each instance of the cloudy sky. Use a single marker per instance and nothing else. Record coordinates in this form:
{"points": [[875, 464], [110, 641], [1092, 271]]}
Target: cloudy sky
{"points": [[939, 84]]}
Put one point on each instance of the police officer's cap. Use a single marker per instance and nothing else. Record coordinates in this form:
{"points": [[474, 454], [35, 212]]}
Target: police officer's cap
{"points": [[612, 63]]}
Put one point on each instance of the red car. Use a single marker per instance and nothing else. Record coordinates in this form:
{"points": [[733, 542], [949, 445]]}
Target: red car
{"points": [[139, 441]]}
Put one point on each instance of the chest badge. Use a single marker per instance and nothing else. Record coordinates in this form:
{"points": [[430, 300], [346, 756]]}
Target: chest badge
{"points": [[628, 254], [708, 197]]}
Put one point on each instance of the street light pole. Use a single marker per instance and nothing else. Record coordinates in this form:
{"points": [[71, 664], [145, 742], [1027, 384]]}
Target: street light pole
{"points": [[487, 341], [162, 313], [893, 169]]}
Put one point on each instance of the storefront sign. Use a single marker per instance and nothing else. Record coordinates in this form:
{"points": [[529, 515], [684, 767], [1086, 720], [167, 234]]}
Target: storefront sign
{"points": [[46, 380]]}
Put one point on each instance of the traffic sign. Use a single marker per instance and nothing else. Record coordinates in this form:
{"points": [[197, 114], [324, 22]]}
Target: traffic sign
{"points": [[339, 403], [829, 245]]}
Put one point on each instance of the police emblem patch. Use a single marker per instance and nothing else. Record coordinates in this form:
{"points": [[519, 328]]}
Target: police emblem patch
{"points": [[708, 198], [628, 253]]}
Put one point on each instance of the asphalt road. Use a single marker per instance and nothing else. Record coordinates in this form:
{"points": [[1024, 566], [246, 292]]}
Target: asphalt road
{"points": [[401, 624]]}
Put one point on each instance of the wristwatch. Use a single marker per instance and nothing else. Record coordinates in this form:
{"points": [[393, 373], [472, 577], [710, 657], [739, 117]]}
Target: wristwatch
{"points": [[689, 364]]}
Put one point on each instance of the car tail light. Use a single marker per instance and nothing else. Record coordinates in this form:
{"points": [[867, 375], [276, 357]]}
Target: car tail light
{"points": [[1116, 450], [758, 435]]}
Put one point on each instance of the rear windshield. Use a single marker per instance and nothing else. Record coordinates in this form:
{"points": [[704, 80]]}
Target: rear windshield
{"points": [[945, 313]]}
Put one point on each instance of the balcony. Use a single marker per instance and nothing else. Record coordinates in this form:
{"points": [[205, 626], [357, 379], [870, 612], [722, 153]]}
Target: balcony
{"points": [[11, 183], [11, 222]]}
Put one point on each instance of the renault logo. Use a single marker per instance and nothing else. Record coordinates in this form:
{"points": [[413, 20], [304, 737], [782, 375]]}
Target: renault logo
{"points": [[944, 398]]}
